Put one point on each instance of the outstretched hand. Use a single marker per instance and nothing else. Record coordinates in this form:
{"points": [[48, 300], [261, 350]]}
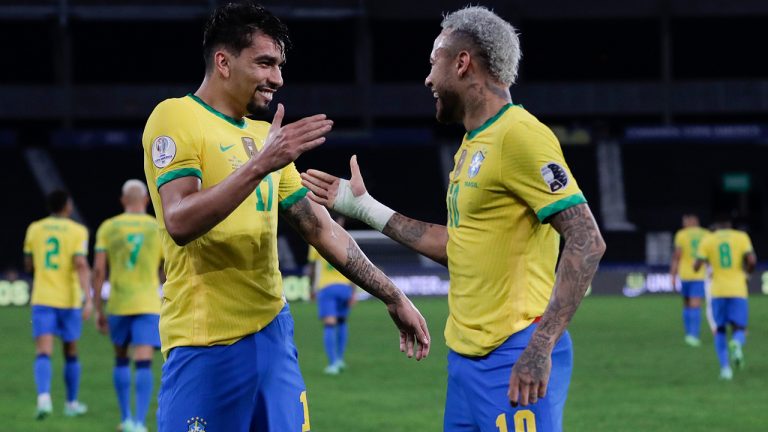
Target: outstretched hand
{"points": [[414, 334], [327, 188]]}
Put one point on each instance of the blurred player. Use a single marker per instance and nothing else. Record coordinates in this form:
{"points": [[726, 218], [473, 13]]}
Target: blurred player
{"points": [[334, 294], [509, 196], [57, 248], [730, 255], [218, 181], [692, 282], [129, 246]]}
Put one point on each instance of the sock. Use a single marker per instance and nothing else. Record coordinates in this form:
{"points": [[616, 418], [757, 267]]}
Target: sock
{"points": [[329, 342], [143, 389], [740, 336], [687, 320], [43, 373], [121, 377], [72, 377], [341, 338], [695, 323], [721, 346]]}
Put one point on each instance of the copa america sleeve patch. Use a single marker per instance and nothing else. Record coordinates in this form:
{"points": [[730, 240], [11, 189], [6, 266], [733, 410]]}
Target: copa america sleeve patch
{"points": [[163, 151], [555, 176]]}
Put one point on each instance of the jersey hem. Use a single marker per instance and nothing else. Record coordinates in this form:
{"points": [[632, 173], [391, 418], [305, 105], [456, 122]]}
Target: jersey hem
{"points": [[560, 205], [293, 198], [179, 173]]}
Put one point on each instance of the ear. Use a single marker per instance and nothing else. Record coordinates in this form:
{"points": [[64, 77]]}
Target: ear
{"points": [[463, 61], [221, 61]]}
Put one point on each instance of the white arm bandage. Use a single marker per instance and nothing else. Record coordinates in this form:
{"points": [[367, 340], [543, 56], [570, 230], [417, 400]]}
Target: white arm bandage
{"points": [[363, 208]]}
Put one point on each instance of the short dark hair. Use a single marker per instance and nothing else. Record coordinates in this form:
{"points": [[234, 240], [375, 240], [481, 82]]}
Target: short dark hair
{"points": [[57, 200], [232, 26]]}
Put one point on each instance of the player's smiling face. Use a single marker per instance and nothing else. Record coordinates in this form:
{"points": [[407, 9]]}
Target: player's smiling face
{"points": [[256, 73], [441, 82]]}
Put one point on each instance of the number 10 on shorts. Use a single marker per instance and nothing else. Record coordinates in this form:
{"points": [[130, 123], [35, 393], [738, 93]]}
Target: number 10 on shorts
{"points": [[524, 422]]}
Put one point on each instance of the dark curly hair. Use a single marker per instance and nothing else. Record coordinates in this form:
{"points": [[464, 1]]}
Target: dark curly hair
{"points": [[232, 26], [56, 200]]}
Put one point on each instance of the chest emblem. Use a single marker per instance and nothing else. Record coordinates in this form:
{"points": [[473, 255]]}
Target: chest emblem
{"points": [[475, 164], [250, 146], [554, 176], [460, 164]]}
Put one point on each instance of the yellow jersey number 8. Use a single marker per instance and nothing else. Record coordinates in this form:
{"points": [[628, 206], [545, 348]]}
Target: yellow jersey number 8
{"points": [[524, 422]]}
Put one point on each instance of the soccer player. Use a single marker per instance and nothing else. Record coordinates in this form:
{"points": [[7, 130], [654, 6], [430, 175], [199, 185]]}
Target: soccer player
{"points": [[687, 240], [129, 246], [56, 249], [334, 294], [509, 195], [218, 181], [730, 255]]}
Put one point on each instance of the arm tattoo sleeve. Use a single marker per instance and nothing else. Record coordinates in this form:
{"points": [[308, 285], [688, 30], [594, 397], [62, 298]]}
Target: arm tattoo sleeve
{"points": [[405, 230]]}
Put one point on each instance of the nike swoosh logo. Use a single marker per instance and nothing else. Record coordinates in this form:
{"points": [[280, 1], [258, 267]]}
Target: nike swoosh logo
{"points": [[222, 148]]}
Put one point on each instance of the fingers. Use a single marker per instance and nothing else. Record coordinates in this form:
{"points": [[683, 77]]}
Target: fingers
{"points": [[402, 341], [426, 340], [314, 198], [354, 168], [310, 130], [277, 120], [514, 390], [543, 389], [321, 176], [409, 343]]}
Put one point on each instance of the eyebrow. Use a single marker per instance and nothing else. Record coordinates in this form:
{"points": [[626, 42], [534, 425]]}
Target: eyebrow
{"points": [[266, 58]]}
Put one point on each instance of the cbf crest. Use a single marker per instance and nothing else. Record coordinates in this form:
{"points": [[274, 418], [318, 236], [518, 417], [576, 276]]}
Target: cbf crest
{"points": [[250, 146], [196, 424], [475, 164]]}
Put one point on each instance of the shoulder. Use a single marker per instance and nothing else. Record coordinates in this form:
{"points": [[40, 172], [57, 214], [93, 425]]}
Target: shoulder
{"points": [[79, 228], [172, 105], [526, 133]]}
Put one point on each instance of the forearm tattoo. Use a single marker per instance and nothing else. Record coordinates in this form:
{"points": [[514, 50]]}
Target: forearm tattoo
{"points": [[302, 218], [583, 249], [405, 230]]}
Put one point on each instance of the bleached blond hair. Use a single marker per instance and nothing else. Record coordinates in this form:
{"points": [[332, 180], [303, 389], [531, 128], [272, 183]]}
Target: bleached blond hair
{"points": [[496, 40], [134, 188]]}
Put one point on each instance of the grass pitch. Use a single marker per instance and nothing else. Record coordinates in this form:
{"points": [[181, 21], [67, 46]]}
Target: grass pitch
{"points": [[632, 372]]}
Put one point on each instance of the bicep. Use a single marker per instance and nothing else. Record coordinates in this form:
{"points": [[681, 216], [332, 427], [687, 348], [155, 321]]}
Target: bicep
{"points": [[174, 191]]}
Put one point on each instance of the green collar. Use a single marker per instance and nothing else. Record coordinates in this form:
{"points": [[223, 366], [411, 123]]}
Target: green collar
{"points": [[240, 123], [473, 133]]}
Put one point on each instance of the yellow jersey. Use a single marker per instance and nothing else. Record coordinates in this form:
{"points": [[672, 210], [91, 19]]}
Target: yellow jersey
{"points": [[325, 274], [509, 178], [225, 284], [53, 243], [724, 250], [132, 244], [688, 240]]}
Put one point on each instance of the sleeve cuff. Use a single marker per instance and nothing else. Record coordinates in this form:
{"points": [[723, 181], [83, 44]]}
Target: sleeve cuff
{"points": [[293, 198], [556, 207], [178, 173]]}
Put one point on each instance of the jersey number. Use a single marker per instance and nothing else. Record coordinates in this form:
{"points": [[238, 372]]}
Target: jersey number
{"points": [[303, 399], [135, 240], [524, 422], [260, 199], [52, 244], [694, 247], [725, 255], [453, 205]]}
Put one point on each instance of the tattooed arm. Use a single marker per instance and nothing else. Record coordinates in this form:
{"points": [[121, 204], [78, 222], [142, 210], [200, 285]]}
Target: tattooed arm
{"points": [[584, 246], [316, 226], [351, 199]]}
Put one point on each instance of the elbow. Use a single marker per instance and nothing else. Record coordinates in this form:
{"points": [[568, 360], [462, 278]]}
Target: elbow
{"points": [[176, 230], [599, 245]]}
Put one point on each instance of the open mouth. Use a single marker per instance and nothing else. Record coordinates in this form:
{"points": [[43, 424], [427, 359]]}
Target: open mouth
{"points": [[266, 93]]}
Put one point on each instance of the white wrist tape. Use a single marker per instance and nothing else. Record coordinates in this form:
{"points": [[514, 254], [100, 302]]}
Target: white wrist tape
{"points": [[363, 208]]}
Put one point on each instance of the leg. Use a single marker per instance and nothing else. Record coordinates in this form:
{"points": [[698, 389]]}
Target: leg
{"points": [[738, 314], [71, 370], [213, 387], [719, 313], [144, 331], [457, 416], [281, 401], [43, 329], [121, 374], [327, 312], [342, 333], [694, 307]]}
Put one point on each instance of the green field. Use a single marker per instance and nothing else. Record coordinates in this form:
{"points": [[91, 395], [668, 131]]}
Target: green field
{"points": [[632, 373]]}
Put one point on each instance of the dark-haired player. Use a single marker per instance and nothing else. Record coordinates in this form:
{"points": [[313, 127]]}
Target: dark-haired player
{"points": [[56, 248], [218, 181]]}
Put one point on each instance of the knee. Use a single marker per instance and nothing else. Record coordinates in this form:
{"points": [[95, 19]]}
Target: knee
{"points": [[341, 320], [70, 349], [329, 321]]}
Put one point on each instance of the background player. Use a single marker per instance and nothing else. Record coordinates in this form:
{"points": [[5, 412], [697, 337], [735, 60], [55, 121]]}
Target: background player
{"points": [[218, 181], [730, 255], [129, 246], [692, 282], [334, 294], [509, 195], [56, 249]]}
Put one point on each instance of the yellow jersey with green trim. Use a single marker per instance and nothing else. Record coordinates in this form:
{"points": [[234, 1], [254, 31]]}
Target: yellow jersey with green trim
{"points": [[688, 240], [325, 274], [225, 284], [132, 244], [725, 250], [509, 178], [53, 243]]}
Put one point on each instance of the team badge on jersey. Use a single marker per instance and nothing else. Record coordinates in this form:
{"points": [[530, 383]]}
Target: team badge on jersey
{"points": [[250, 146], [460, 164], [163, 151], [554, 176], [475, 164], [196, 424]]}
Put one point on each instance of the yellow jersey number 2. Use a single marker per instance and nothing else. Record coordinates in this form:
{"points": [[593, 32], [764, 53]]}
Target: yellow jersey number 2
{"points": [[524, 422]]}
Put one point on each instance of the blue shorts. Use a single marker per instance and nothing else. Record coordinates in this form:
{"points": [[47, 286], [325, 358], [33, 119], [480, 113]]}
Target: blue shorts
{"points": [[135, 329], [692, 288], [67, 324], [477, 398], [334, 301], [730, 310], [252, 385]]}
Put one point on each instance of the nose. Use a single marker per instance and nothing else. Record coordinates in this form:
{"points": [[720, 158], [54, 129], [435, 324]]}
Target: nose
{"points": [[276, 78], [428, 80]]}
